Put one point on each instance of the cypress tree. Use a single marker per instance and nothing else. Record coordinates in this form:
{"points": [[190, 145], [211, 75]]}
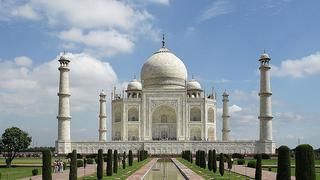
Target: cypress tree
{"points": [[124, 160], [258, 175], [46, 165], [203, 159], [210, 160], [115, 161], [109, 163], [214, 161], [191, 159], [130, 158], [305, 166], [229, 163], [73, 166], [100, 165], [284, 164], [221, 164]]}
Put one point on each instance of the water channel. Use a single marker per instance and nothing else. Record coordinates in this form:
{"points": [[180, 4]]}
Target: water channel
{"points": [[164, 169]]}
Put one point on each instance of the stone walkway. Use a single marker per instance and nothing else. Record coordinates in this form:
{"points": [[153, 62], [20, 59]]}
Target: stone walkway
{"points": [[139, 174], [90, 169], [186, 172], [250, 172]]}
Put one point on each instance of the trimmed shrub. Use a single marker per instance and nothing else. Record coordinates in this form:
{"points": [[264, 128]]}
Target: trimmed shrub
{"points": [[73, 166], [241, 161], [305, 166], [237, 155], [90, 161], [265, 156], [284, 165], [258, 175], [46, 165], [190, 157], [130, 158], [251, 164], [221, 165], [138, 156], [214, 161], [109, 163], [80, 163], [210, 160], [229, 163], [115, 161], [35, 172], [124, 160], [100, 164]]}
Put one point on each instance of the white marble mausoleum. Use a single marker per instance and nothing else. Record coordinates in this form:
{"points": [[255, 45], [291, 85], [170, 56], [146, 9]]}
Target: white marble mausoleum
{"points": [[165, 113]]}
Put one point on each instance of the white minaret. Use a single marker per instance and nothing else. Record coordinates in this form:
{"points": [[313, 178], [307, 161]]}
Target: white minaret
{"points": [[64, 105], [225, 117], [265, 100], [103, 117]]}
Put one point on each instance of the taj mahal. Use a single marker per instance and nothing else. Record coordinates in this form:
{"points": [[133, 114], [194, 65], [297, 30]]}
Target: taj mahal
{"points": [[165, 113]]}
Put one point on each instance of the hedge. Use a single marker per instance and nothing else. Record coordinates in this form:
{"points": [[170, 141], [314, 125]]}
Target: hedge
{"points": [[305, 166], [284, 164]]}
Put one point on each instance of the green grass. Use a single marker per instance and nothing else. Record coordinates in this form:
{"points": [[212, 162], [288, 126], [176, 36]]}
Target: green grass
{"points": [[122, 173], [293, 171], [275, 161], [17, 172], [29, 160], [206, 174]]}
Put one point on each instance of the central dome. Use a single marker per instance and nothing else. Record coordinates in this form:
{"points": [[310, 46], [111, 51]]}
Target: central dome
{"points": [[163, 70]]}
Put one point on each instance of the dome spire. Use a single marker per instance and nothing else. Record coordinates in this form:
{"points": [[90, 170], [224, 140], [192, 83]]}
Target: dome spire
{"points": [[163, 42]]}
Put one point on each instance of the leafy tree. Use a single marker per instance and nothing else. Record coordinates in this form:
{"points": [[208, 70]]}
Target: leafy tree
{"points": [[130, 158], [258, 175], [305, 167], [284, 166], [12, 141], [73, 166], [221, 164], [100, 164], [210, 156], [46, 165], [115, 161], [214, 161]]}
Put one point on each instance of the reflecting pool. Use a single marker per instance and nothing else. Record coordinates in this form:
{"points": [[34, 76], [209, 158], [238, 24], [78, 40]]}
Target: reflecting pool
{"points": [[164, 170]]}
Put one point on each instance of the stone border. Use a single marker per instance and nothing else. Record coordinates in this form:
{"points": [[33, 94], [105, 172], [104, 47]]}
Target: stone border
{"points": [[140, 173], [186, 172]]}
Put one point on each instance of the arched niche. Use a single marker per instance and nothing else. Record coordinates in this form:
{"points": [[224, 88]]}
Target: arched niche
{"points": [[195, 114], [211, 136], [133, 114], [164, 123], [117, 116], [211, 115], [195, 134], [133, 133]]}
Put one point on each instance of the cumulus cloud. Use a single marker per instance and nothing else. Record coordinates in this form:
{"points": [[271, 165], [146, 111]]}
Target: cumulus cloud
{"points": [[34, 89], [99, 27], [298, 68], [23, 61], [215, 9]]}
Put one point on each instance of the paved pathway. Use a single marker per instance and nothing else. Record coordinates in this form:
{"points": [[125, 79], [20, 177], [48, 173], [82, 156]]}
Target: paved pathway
{"points": [[250, 172], [139, 174], [90, 169], [186, 172]]}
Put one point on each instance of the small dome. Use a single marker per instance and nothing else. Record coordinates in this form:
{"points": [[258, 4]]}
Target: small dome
{"points": [[225, 93], [264, 56], [102, 93], [164, 70], [134, 85], [193, 85]]}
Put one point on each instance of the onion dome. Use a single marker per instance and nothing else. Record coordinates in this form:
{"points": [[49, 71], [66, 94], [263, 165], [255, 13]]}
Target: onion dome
{"points": [[193, 85], [134, 85]]}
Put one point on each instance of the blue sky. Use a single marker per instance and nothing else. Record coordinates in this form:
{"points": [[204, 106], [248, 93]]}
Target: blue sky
{"points": [[220, 42]]}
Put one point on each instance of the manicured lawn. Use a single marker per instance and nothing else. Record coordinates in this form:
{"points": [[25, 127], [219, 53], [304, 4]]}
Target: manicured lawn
{"points": [[293, 171], [30, 160], [122, 173], [17, 172], [206, 174], [275, 161]]}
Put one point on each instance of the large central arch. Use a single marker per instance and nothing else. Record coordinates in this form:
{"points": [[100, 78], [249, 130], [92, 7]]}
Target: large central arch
{"points": [[164, 123]]}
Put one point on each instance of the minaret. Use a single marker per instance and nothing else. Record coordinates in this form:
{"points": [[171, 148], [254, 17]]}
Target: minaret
{"points": [[225, 117], [265, 100], [103, 118], [64, 105]]}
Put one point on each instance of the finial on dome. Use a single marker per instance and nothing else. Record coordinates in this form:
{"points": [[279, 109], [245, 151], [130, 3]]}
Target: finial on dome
{"points": [[163, 42]]}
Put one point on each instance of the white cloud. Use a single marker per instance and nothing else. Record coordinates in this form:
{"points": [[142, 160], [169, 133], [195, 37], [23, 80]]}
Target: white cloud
{"points": [[107, 42], [215, 9], [25, 11], [298, 68], [34, 90], [163, 2], [23, 61], [99, 27], [286, 117]]}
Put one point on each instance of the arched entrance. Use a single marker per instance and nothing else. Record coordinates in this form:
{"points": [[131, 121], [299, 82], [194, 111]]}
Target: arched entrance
{"points": [[164, 124]]}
